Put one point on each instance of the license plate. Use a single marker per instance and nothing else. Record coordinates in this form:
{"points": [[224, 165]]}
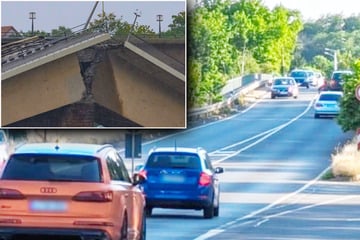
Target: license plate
{"points": [[48, 206], [173, 178]]}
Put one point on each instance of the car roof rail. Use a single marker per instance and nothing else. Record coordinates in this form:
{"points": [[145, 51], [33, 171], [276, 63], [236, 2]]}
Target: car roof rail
{"points": [[103, 147]]}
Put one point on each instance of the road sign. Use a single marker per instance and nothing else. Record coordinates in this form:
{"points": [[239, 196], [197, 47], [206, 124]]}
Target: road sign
{"points": [[357, 92], [132, 145]]}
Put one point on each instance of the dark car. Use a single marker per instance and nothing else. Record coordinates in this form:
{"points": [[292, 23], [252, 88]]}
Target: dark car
{"points": [[336, 81], [70, 191], [302, 77], [284, 87], [181, 178]]}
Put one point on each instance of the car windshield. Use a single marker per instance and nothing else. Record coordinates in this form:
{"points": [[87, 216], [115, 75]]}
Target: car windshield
{"points": [[52, 168], [330, 97], [173, 160], [283, 81]]}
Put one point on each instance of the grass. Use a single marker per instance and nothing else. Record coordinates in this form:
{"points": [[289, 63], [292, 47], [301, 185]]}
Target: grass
{"points": [[345, 162]]}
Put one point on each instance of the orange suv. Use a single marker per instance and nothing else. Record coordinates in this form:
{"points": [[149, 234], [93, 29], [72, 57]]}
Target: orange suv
{"points": [[70, 191]]}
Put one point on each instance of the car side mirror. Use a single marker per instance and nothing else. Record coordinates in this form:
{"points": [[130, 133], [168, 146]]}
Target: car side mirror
{"points": [[219, 170], [138, 178]]}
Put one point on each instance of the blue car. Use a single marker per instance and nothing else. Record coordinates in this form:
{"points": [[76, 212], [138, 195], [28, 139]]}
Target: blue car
{"points": [[181, 178]]}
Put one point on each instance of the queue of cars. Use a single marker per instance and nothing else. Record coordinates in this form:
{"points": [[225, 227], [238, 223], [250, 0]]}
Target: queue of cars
{"points": [[327, 103], [86, 190]]}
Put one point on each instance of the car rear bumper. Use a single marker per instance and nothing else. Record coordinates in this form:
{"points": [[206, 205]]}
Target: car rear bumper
{"points": [[178, 203], [9, 233]]}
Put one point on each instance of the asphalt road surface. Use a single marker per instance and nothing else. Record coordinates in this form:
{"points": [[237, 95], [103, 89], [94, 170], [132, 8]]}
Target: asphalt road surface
{"points": [[274, 154]]}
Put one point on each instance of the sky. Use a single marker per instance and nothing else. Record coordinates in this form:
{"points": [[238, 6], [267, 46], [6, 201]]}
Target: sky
{"points": [[52, 14], [315, 9]]}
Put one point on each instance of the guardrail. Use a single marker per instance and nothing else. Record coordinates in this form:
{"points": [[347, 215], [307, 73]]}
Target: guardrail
{"points": [[231, 91]]}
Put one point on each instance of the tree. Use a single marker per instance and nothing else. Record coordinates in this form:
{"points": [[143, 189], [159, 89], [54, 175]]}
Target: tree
{"points": [[61, 31], [117, 27], [349, 117], [177, 27]]}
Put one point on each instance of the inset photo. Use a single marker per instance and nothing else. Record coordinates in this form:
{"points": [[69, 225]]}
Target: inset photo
{"points": [[91, 64]]}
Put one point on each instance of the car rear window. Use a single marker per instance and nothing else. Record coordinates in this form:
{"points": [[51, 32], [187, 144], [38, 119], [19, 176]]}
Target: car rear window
{"points": [[330, 97], [282, 82], [298, 74], [52, 168], [173, 160]]}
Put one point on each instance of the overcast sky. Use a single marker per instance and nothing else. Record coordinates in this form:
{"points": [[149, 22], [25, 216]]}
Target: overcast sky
{"points": [[315, 9], [52, 14]]}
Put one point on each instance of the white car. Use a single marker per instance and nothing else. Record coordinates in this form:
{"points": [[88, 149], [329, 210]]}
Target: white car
{"points": [[327, 103], [318, 79], [4, 148]]}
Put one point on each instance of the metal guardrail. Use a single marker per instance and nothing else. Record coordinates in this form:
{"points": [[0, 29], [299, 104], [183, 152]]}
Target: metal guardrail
{"points": [[230, 94]]}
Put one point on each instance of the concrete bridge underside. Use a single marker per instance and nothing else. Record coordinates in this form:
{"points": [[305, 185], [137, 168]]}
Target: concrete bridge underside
{"points": [[126, 91]]}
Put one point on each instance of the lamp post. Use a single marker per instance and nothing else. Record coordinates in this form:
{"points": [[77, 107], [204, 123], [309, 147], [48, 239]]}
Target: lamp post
{"points": [[159, 18], [32, 16], [333, 54], [137, 14]]}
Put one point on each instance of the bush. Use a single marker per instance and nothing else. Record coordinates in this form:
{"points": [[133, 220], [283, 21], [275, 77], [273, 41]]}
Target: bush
{"points": [[346, 161]]}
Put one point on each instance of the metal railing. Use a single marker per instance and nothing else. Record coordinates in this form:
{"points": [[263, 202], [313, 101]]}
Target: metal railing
{"points": [[156, 53], [231, 92]]}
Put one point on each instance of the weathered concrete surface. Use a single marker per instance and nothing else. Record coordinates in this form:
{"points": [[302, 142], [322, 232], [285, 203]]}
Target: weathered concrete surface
{"points": [[115, 79], [41, 89]]}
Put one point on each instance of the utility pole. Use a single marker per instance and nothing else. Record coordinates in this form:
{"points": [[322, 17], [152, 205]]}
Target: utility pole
{"points": [[159, 18], [32, 16]]}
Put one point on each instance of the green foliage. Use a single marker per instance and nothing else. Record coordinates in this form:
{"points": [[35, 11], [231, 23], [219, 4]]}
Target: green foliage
{"points": [[334, 32], [61, 31], [177, 27], [227, 37], [117, 26], [349, 117]]}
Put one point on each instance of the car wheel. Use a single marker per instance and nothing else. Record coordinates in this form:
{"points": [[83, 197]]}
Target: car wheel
{"points": [[148, 211], [316, 115], [209, 211], [143, 228], [216, 211], [272, 96], [124, 229]]}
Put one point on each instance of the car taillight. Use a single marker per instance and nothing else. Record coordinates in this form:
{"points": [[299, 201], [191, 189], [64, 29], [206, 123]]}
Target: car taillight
{"points": [[318, 105], [94, 196], [205, 179], [6, 193], [143, 173]]}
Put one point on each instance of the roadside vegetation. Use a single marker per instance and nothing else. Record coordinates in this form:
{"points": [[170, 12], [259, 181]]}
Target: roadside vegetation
{"points": [[227, 39], [345, 163]]}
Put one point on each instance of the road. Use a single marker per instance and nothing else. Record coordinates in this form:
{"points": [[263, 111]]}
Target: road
{"points": [[274, 154]]}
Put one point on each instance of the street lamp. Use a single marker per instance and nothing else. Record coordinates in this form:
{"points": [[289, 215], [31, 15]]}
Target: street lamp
{"points": [[333, 54], [159, 18], [32, 16], [137, 14]]}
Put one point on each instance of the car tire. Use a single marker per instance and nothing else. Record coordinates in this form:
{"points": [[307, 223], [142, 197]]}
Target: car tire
{"points": [[316, 115], [148, 211], [209, 211], [124, 229], [272, 96], [216, 211]]}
